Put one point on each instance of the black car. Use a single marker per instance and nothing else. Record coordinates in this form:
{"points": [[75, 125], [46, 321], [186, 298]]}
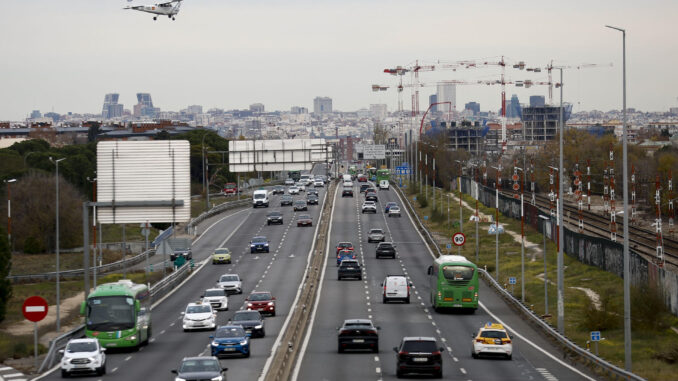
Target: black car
{"points": [[386, 249], [349, 268], [312, 191], [419, 355], [286, 200], [200, 368], [251, 321], [347, 192], [300, 205], [259, 244], [358, 334], [274, 217], [278, 189], [371, 196], [311, 200], [364, 187]]}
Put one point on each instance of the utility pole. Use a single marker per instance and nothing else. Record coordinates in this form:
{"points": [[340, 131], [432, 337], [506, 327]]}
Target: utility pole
{"points": [[561, 292]]}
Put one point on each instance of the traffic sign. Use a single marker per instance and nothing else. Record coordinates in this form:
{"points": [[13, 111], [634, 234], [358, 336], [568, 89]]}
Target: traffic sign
{"points": [[516, 187], [35, 308], [459, 239], [512, 280], [449, 246], [595, 335], [515, 177]]}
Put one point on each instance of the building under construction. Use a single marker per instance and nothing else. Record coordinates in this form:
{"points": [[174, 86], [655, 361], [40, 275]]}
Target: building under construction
{"points": [[540, 123]]}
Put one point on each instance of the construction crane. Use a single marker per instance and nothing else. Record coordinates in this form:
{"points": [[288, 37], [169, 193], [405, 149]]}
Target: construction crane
{"points": [[549, 69]]}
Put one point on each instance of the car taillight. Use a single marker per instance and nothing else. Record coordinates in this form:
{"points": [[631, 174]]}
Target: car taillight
{"points": [[480, 340], [436, 353], [403, 353]]}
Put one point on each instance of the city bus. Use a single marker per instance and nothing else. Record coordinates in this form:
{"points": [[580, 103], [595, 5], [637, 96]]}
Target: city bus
{"points": [[383, 174], [294, 175], [454, 283], [118, 314]]}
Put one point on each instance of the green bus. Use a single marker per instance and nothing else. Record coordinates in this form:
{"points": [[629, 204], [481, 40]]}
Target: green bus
{"points": [[454, 283], [353, 170], [294, 175], [383, 174], [118, 314]]}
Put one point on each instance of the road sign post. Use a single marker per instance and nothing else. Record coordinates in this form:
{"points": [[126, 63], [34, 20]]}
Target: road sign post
{"points": [[459, 239], [512, 282], [35, 309], [449, 246], [595, 337]]}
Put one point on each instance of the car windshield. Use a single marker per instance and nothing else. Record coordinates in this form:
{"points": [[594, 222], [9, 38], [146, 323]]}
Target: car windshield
{"points": [[81, 347], [274, 214], [198, 309], [453, 273], [299, 202], [206, 365], [376, 231], [246, 315], [260, 296], [349, 263], [493, 334], [224, 332], [222, 251], [345, 244], [385, 246], [358, 325], [216, 292], [258, 196], [423, 346], [110, 313], [259, 239], [286, 197], [304, 217], [229, 278]]}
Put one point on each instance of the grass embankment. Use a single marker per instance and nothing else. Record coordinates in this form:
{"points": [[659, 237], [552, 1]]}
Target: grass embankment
{"points": [[655, 344]]}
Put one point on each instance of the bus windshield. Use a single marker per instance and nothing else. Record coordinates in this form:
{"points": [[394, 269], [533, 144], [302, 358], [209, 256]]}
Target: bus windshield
{"points": [[110, 313], [458, 273]]}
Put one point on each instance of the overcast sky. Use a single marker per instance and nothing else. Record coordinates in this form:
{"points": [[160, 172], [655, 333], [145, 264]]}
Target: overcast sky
{"points": [[65, 55]]}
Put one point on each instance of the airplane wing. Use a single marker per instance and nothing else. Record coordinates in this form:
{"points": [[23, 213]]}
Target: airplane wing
{"points": [[134, 7]]}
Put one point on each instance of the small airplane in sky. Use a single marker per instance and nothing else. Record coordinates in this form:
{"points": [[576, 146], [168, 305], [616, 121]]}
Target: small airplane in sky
{"points": [[169, 8]]}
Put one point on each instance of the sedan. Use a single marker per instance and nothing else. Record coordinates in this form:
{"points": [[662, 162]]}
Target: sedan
{"points": [[199, 316], [278, 189], [304, 220], [300, 205], [358, 334], [386, 249], [221, 255], [259, 244], [261, 301], [312, 191], [344, 246], [371, 196], [200, 368], [289, 182], [376, 235], [312, 200], [251, 321], [274, 217], [286, 200], [230, 340], [293, 190], [394, 211]]}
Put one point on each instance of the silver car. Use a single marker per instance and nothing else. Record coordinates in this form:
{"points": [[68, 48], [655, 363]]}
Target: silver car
{"points": [[394, 211], [216, 297], [375, 235], [231, 283], [369, 207]]}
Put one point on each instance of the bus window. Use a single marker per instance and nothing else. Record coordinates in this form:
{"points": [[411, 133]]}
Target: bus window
{"points": [[458, 273]]}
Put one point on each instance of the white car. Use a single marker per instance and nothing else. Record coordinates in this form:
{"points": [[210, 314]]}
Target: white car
{"points": [[216, 297], [199, 316], [369, 207], [348, 183], [396, 287], [318, 183], [383, 184], [293, 189], [83, 356], [492, 339], [394, 211], [301, 186], [289, 182], [231, 283]]}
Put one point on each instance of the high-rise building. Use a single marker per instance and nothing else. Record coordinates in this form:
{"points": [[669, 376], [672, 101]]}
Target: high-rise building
{"points": [[537, 101], [35, 114], [144, 108], [474, 107], [111, 109], [541, 123], [194, 109], [447, 92], [257, 107], [433, 98], [379, 111], [322, 105], [513, 108], [298, 110]]}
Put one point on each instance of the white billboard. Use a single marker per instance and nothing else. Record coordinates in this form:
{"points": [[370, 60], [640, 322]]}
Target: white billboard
{"points": [[374, 152], [276, 155], [135, 177]]}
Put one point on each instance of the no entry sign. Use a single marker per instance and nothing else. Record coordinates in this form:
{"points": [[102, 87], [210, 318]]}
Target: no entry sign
{"points": [[35, 308]]}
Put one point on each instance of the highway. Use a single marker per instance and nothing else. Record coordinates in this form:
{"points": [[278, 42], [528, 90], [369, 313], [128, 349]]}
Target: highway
{"points": [[279, 271], [348, 299]]}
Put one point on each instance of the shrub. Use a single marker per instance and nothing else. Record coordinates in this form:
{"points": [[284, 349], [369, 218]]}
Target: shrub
{"points": [[421, 199], [648, 308], [602, 319]]}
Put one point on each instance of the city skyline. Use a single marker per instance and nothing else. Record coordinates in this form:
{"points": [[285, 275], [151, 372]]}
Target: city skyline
{"points": [[211, 56]]}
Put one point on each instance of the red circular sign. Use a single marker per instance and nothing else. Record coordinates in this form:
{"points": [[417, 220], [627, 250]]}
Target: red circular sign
{"points": [[459, 239], [35, 308], [516, 187], [515, 177]]}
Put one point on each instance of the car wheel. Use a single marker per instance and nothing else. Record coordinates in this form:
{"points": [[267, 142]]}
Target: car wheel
{"points": [[509, 357], [102, 370], [338, 278], [360, 277], [340, 349], [474, 355], [384, 300], [251, 251], [214, 262], [399, 374], [247, 354], [438, 375], [407, 300], [273, 313], [268, 250]]}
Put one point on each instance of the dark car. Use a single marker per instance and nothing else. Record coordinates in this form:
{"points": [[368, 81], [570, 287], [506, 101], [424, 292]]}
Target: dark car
{"points": [[364, 187], [259, 244], [304, 220], [274, 217], [419, 355], [386, 249], [278, 189], [347, 192], [312, 191], [251, 321], [311, 199], [300, 205], [358, 334], [229, 340], [261, 301], [371, 196], [286, 200], [349, 268], [389, 205], [200, 368]]}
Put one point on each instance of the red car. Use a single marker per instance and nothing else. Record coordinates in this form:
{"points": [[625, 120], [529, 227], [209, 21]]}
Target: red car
{"points": [[304, 220], [261, 301], [362, 178], [230, 188], [344, 246]]}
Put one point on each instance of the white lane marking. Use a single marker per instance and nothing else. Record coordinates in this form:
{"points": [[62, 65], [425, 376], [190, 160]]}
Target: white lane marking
{"points": [[163, 331], [376, 358], [114, 369], [378, 369], [128, 358], [449, 349], [462, 370], [455, 359]]}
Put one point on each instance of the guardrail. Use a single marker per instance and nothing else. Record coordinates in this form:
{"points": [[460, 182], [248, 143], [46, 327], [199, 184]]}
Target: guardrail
{"points": [[587, 357], [158, 290], [79, 272]]}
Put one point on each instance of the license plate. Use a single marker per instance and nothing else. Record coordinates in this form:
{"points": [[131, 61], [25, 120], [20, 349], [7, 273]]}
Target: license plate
{"points": [[358, 340], [229, 349], [456, 305], [420, 359]]}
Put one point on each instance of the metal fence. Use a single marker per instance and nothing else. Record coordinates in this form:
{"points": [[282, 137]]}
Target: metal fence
{"points": [[585, 356]]}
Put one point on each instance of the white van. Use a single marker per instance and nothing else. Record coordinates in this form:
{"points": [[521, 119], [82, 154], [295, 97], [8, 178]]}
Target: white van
{"points": [[347, 178], [260, 198], [396, 287], [383, 184]]}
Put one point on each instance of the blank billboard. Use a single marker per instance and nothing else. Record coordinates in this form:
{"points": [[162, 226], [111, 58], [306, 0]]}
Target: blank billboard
{"points": [[143, 172], [276, 155]]}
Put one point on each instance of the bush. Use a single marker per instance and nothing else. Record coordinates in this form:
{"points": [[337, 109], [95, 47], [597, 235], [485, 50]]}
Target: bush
{"points": [[33, 246], [648, 308], [668, 355], [421, 199], [602, 319]]}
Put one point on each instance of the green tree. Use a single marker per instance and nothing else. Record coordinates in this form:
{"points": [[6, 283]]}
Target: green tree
{"points": [[94, 131], [5, 266]]}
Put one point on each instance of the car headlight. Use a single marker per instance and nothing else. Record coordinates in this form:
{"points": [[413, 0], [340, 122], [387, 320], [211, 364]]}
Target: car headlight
{"points": [[250, 305], [258, 326], [266, 244], [215, 344], [270, 303], [243, 342], [252, 245], [217, 378]]}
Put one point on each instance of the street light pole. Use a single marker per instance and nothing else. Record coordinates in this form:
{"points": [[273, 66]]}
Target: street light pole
{"points": [[202, 152], [546, 281], [627, 270], [561, 296], [522, 235], [9, 212], [58, 291], [94, 229]]}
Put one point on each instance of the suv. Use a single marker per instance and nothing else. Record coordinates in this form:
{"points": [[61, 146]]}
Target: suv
{"points": [[419, 355], [349, 268], [274, 217], [216, 297], [369, 207], [396, 287], [347, 191], [344, 255], [278, 189], [394, 211], [386, 249], [300, 205], [231, 283], [259, 244], [251, 321], [83, 356], [375, 235], [358, 334], [261, 301], [198, 368]]}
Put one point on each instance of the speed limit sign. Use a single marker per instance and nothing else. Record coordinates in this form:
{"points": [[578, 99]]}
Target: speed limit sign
{"points": [[459, 239]]}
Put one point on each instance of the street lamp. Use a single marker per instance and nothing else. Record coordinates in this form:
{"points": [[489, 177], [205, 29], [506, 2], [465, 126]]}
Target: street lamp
{"points": [[202, 151], [546, 282], [627, 280], [522, 234], [496, 222], [94, 229], [58, 302], [461, 221], [9, 214]]}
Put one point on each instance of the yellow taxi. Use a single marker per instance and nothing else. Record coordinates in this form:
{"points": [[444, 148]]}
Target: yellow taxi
{"points": [[221, 255], [492, 340]]}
